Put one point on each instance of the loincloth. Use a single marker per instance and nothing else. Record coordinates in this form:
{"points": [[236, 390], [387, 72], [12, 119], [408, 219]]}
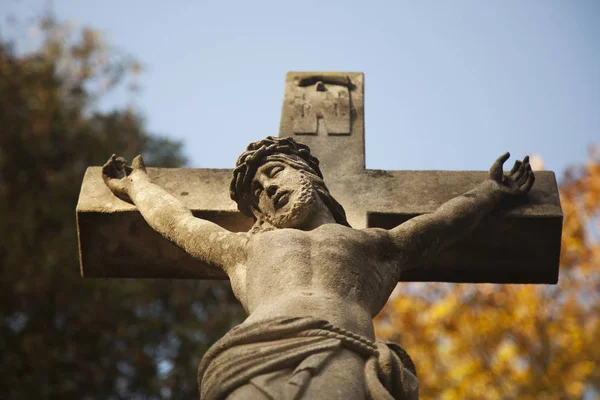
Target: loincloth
{"points": [[251, 352]]}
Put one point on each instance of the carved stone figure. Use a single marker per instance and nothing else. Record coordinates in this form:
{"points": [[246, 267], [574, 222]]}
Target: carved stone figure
{"points": [[310, 283]]}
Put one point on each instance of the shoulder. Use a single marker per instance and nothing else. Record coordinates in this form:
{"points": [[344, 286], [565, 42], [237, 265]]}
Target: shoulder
{"points": [[337, 229], [273, 234], [369, 240], [379, 235]]}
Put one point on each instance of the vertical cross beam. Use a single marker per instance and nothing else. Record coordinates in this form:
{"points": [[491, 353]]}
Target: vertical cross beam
{"points": [[325, 111]]}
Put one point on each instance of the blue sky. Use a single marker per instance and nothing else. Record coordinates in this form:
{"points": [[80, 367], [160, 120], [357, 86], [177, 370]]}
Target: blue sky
{"points": [[449, 84]]}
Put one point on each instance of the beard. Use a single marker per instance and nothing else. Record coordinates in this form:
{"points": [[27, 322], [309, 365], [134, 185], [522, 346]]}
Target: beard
{"points": [[301, 208]]}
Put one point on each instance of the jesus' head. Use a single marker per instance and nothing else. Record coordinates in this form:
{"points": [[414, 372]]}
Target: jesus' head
{"points": [[278, 183]]}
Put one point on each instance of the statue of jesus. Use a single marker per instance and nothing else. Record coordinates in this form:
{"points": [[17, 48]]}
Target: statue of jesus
{"points": [[310, 283]]}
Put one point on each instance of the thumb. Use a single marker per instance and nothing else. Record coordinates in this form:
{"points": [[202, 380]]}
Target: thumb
{"points": [[138, 163], [496, 170]]}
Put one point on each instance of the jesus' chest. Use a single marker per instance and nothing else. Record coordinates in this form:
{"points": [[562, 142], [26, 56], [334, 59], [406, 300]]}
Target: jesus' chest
{"points": [[334, 258]]}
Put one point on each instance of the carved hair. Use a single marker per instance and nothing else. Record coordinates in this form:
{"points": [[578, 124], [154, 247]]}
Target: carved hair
{"points": [[288, 151]]}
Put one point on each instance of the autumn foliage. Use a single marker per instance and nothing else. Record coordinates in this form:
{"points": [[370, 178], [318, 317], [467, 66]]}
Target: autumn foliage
{"points": [[513, 341]]}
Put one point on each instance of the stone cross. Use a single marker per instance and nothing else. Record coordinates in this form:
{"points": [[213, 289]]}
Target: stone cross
{"points": [[326, 112]]}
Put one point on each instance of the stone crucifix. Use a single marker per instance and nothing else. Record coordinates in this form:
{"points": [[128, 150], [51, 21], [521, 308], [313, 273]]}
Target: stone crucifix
{"points": [[326, 112], [310, 283]]}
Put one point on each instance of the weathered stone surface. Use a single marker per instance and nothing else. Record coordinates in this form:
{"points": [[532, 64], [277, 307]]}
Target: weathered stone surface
{"points": [[116, 242], [310, 283], [520, 245], [338, 153]]}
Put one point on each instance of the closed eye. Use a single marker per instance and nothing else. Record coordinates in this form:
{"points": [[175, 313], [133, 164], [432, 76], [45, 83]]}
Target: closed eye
{"points": [[275, 170], [256, 189]]}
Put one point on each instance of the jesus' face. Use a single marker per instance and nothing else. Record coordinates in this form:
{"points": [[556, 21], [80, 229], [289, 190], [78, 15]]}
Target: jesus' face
{"points": [[285, 195]]}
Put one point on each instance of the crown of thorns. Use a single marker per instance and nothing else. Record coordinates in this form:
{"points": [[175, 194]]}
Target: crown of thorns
{"points": [[282, 149]]}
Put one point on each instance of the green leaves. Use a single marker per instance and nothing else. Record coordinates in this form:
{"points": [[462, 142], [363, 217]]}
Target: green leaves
{"points": [[62, 336]]}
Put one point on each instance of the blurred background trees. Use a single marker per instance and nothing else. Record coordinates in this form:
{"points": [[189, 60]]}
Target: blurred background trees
{"points": [[62, 336], [513, 341], [69, 338]]}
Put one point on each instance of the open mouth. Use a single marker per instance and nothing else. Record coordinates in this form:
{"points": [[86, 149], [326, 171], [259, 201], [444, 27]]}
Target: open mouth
{"points": [[281, 199]]}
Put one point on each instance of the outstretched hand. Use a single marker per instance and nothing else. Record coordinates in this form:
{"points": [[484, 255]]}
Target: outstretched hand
{"points": [[517, 182], [119, 177]]}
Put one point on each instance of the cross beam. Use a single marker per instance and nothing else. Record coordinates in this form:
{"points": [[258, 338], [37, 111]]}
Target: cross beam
{"points": [[326, 112]]}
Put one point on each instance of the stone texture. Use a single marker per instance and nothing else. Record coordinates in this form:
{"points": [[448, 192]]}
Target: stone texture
{"points": [[116, 242], [520, 245], [310, 283]]}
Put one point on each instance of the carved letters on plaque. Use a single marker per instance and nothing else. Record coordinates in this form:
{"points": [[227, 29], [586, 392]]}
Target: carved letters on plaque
{"points": [[322, 105]]}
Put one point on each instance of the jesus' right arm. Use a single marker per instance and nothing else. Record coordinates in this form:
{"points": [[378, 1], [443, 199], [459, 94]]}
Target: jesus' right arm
{"points": [[203, 240]]}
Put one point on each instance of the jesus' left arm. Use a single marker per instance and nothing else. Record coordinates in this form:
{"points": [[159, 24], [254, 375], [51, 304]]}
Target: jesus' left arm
{"points": [[419, 240]]}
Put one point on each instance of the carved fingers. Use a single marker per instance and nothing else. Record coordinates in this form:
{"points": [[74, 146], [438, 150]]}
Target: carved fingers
{"points": [[522, 170], [496, 170], [515, 167], [113, 173], [117, 174], [526, 178], [522, 176], [115, 168], [518, 181]]}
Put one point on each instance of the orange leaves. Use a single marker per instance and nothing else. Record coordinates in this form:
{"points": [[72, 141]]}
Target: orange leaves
{"points": [[512, 341], [580, 197]]}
